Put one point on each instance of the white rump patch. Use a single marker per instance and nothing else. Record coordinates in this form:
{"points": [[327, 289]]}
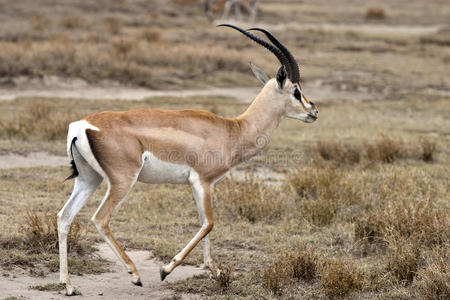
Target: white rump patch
{"points": [[78, 129]]}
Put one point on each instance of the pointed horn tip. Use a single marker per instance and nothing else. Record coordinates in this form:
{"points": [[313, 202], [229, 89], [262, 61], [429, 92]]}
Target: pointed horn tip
{"points": [[228, 25]]}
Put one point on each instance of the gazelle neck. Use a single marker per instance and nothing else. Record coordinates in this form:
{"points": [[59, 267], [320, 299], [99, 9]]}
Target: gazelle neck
{"points": [[258, 123]]}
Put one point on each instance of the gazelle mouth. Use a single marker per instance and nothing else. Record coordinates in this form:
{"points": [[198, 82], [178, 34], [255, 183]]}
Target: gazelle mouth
{"points": [[312, 117]]}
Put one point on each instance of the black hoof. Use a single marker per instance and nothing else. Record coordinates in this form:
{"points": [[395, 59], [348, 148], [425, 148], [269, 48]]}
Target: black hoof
{"points": [[163, 274], [138, 283]]}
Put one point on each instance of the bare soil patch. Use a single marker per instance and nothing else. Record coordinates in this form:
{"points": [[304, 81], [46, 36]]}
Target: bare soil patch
{"points": [[35, 159], [111, 285]]}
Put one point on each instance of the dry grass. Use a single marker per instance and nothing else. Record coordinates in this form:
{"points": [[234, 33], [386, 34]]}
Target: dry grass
{"points": [[342, 153], [404, 259], [251, 200], [49, 287], [375, 13], [41, 235], [340, 276], [428, 149], [402, 219], [34, 246], [433, 281], [323, 190], [38, 120], [310, 268], [224, 278], [385, 149], [298, 263]]}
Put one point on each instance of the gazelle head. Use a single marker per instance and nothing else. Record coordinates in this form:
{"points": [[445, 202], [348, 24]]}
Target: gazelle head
{"points": [[287, 80]]}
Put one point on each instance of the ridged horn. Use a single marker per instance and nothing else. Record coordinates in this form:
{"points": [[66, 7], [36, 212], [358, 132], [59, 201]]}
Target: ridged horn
{"points": [[277, 52], [293, 70]]}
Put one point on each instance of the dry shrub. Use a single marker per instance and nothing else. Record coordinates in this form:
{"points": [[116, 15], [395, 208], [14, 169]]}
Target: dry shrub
{"points": [[150, 35], [38, 120], [112, 25], [302, 262], [72, 22], [419, 220], [224, 278], [375, 13], [122, 47], [403, 259], [185, 2], [127, 60], [251, 200], [41, 235], [342, 153], [275, 276], [298, 263], [428, 149], [340, 277], [323, 189], [39, 23], [385, 149], [433, 281], [318, 212]]}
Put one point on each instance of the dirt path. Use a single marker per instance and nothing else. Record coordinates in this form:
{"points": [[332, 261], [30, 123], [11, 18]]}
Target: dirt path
{"points": [[35, 159], [122, 93], [112, 285]]}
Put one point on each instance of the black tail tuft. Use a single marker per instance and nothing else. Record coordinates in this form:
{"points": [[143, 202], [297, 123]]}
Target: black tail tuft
{"points": [[73, 166]]}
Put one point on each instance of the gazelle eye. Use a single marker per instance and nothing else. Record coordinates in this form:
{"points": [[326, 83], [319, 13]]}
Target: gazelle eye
{"points": [[298, 94]]}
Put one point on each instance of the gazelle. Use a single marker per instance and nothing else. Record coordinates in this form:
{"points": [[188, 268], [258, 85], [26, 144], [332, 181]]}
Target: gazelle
{"points": [[212, 7], [185, 147]]}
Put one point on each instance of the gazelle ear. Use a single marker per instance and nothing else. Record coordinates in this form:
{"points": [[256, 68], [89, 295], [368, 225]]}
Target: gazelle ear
{"points": [[260, 74], [281, 77]]}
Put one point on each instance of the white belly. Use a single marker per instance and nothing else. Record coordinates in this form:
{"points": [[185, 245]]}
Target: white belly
{"points": [[155, 170]]}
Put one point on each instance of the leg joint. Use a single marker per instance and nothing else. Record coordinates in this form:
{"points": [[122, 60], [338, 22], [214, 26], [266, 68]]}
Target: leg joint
{"points": [[208, 226]]}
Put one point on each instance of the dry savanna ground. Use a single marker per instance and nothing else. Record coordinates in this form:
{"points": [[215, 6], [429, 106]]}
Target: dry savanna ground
{"points": [[363, 209]]}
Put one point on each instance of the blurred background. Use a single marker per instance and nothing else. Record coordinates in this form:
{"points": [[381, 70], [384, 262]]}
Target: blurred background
{"points": [[355, 205]]}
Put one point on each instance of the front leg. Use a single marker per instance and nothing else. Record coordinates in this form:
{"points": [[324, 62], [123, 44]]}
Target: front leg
{"points": [[202, 196]]}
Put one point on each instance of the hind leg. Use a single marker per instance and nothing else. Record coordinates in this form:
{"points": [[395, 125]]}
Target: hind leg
{"points": [[117, 191], [85, 185]]}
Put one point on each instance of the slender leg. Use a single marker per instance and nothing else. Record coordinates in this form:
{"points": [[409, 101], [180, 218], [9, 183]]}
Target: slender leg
{"points": [[207, 260], [226, 9], [202, 195], [85, 185], [253, 11], [116, 193], [237, 10]]}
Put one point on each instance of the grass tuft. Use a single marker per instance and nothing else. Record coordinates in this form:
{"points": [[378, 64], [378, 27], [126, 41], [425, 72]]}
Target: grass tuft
{"points": [[385, 149], [49, 287], [428, 149], [339, 277], [375, 13], [73, 22], [403, 259], [342, 153], [251, 200], [41, 235], [224, 278], [433, 281], [39, 119]]}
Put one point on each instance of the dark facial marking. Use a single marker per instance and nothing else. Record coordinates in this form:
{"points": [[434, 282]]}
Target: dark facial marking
{"points": [[297, 94]]}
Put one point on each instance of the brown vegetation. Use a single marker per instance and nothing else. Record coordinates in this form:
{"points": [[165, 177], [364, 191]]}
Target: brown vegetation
{"points": [[38, 120], [340, 277], [375, 13]]}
